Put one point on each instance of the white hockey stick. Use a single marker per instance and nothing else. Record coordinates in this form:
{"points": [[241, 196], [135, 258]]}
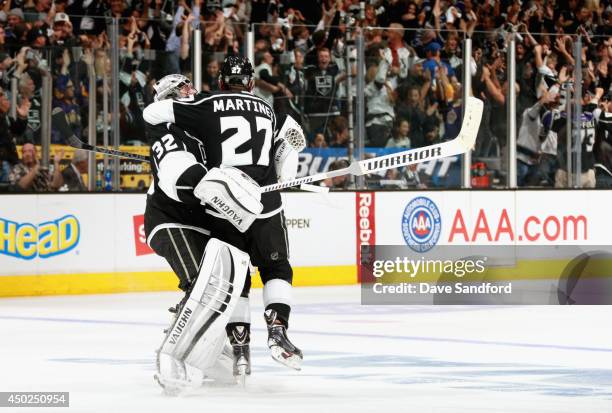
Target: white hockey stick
{"points": [[460, 145]]}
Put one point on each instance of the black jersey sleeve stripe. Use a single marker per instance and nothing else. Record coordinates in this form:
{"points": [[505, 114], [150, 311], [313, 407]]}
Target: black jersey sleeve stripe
{"points": [[188, 181], [192, 176], [171, 169]]}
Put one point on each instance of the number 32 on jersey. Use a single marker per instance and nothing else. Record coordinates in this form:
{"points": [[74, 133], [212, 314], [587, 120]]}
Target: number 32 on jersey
{"points": [[242, 135], [167, 144]]}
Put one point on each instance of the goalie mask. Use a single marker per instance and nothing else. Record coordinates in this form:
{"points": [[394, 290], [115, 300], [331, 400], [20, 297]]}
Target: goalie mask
{"points": [[173, 86], [236, 71]]}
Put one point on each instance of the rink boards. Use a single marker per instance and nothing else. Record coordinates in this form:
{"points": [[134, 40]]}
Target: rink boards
{"points": [[94, 243]]}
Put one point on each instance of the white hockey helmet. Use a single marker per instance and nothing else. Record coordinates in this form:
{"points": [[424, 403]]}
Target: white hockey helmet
{"points": [[169, 86]]}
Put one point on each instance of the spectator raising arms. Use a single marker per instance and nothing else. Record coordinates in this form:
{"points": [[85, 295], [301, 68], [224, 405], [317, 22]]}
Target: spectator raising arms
{"points": [[381, 99]]}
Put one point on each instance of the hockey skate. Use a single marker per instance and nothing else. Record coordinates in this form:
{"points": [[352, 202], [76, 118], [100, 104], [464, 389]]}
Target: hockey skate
{"points": [[281, 348], [240, 337]]}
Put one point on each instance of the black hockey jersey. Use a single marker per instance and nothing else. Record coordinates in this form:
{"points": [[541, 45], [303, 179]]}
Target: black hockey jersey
{"points": [[177, 165], [321, 89], [235, 129], [588, 121]]}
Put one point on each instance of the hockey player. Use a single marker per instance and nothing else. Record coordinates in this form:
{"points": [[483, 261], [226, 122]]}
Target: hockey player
{"points": [[238, 129], [168, 218], [211, 272]]}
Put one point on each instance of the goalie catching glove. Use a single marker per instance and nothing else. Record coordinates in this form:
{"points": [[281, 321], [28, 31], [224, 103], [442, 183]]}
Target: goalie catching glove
{"points": [[285, 161], [231, 193], [289, 141]]}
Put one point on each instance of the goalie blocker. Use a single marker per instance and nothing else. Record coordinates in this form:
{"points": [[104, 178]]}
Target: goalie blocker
{"points": [[231, 193]]}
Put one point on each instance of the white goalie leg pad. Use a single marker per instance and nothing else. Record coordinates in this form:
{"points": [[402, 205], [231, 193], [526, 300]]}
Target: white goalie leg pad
{"points": [[197, 337], [222, 371]]}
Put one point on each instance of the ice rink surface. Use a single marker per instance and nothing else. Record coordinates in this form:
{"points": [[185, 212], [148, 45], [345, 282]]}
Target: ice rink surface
{"points": [[357, 358]]}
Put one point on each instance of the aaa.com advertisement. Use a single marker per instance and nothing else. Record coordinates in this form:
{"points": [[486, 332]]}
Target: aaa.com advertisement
{"points": [[422, 220]]}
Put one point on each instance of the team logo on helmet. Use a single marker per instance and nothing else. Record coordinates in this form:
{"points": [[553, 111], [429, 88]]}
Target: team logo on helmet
{"points": [[236, 68], [421, 224]]}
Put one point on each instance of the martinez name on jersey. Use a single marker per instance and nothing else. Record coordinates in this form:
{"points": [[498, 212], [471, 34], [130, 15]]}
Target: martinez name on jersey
{"points": [[230, 104]]}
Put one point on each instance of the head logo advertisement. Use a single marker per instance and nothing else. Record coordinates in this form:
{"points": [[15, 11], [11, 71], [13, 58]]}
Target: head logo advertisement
{"points": [[27, 241], [421, 224]]}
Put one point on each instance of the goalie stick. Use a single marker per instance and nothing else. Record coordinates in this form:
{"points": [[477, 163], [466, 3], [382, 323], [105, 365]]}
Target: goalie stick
{"points": [[58, 119], [460, 145]]}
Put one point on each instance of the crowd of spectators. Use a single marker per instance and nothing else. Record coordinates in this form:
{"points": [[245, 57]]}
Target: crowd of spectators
{"points": [[414, 71], [413, 66]]}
